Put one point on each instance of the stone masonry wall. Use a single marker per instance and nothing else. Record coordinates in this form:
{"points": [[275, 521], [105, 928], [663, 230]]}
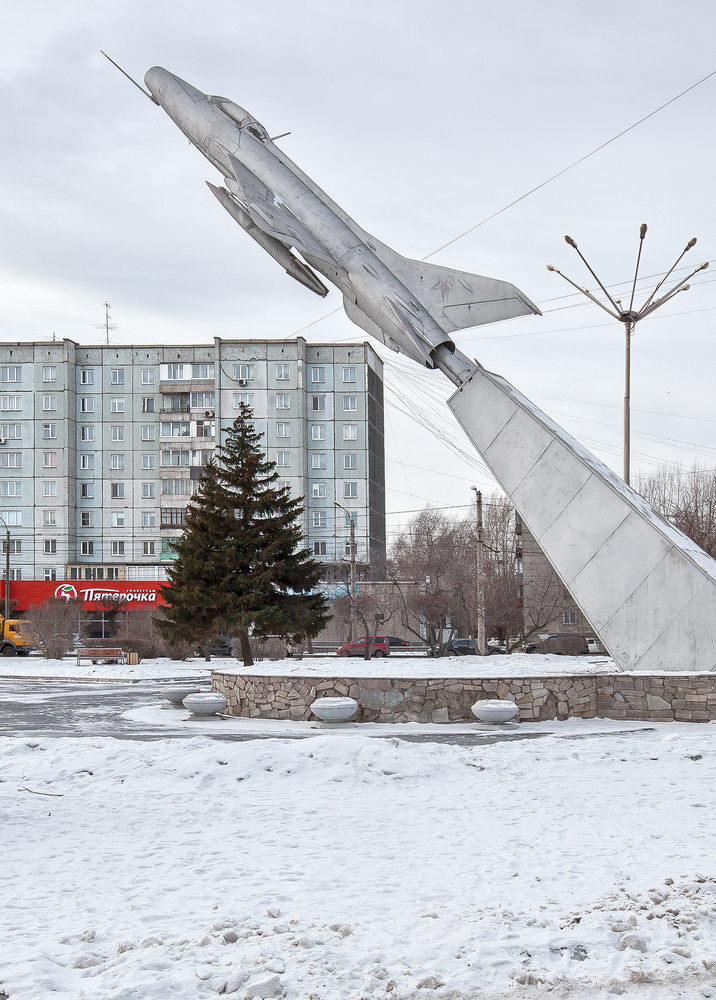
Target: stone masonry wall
{"points": [[686, 697]]}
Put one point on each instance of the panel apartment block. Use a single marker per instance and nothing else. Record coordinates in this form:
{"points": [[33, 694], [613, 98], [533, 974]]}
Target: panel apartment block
{"points": [[101, 448]]}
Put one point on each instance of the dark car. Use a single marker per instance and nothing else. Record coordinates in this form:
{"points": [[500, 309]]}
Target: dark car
{"points": [[393, 640], [562, 645], [381, 647], [465, 647]]}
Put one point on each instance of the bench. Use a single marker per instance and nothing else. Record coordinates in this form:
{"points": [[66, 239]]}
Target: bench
{"points": [[101, 655]]}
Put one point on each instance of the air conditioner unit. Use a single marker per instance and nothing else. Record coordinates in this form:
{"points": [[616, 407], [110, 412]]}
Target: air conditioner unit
{"points": [[242, 381], [2, 440], [208, 413]]}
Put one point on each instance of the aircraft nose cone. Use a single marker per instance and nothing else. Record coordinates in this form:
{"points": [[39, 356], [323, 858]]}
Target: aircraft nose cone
{"points": [[159, 81]]}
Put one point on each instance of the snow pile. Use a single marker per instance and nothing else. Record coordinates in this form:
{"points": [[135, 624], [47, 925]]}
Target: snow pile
{"points": [[162, 668], [341, 867]]}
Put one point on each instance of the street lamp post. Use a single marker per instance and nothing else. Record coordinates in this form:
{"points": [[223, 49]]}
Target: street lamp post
{"points": [[630, 317], [352, 590], [7, 569], [481, 638]]}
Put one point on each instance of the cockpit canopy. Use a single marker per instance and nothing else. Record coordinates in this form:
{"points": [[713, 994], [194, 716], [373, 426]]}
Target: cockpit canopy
{"points": [[241, 117]]}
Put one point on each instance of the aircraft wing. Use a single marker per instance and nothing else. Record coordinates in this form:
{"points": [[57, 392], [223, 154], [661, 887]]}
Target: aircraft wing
{"points": [[273, 217]]}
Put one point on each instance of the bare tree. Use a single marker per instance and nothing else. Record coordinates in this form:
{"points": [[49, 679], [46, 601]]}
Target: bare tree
{"points": [[56, 622], [686, 497], [139, 631], [371, 610]]}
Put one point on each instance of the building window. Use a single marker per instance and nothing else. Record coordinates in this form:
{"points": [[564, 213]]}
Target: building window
{"points": [[318, 432], [352, 516], [11, 460], [283, 484], [177, 402], [148, 461], [86, 376], [148, 433], [319, 548], [50, 548], [86, 491], [49, 373], [349, 374], [283, 401], [117, 491], [87, 433], [50, 574], [15, 574], [148, 491], [149, 519], [11, 489], [15, 430], [350, 403], [49, 459], [350, 432], [175, 458], [283, 372], [147, 548], [117, 461], [168, 548], [15, 547], [86, 519], [49, 489], [283, 430], [49, 518], [11, 517], [87, 404], [49, 431], [347, 549], [11, 402], [117, 548], [86, 461], [245, 398], [175, 428], [175, 373], [118, 433], [49, 402], [147, 404], [318, 461], [283, 459], [202, 371], [87, 548], [176, 487], [350, 491], [350, 461], [173, 516], [11, 374], [318, 375], [318, 491], [117, 376], [569, 617], [148, 376], [199, 400], [318, 404], [118, 518], [319, 519], [245, 373], [117, 404], [205, 429]]}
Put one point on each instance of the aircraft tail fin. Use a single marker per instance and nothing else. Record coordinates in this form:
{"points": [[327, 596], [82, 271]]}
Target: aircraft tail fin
{"points": [[458, 299]]}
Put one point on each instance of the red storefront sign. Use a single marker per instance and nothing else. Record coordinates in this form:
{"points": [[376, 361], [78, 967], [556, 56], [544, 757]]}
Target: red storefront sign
{"points": [[94, 593]]}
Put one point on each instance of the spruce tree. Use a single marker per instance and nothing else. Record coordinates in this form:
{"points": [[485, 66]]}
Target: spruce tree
{"points": [[240, 568]]}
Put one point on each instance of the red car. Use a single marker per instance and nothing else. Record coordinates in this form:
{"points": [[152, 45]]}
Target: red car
{"points": [[381, 647]]}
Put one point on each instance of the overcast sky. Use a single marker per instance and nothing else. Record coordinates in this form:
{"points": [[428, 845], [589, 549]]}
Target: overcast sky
{"points": [[420, 119]]}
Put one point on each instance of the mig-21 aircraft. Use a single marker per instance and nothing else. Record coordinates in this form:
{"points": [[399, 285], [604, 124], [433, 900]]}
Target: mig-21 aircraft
{"points": [[410, 306]]}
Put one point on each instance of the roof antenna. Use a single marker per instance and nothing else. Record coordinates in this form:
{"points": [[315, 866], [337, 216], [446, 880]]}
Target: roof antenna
{"points": [[106, 326], [137, 85]]}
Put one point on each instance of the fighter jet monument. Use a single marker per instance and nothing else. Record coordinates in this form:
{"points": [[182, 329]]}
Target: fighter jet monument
{"points": [[646, 587]]}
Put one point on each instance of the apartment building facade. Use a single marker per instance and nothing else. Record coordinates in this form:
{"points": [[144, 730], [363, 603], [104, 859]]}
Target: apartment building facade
{"points": [[101, 448]]}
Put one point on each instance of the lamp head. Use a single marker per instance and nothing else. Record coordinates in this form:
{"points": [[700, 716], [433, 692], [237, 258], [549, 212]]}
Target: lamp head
{"points": [[642, 231], [568, 239], [691, 243], [551, 268]]}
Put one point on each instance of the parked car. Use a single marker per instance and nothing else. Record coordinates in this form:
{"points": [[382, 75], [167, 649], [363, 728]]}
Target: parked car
{"points": [[393, 640], [381, 647], [562, 645], [465, 647]]}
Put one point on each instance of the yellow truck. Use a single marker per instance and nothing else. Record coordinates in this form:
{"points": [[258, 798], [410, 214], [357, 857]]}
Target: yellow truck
{"points": [[17, 637]]}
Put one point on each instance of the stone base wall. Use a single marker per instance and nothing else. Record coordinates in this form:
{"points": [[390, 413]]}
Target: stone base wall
{"points": [[686, 697]]}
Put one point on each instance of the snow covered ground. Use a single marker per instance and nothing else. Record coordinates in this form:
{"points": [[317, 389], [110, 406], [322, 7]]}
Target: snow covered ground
{"points": [[160, 669], [341, 866]]}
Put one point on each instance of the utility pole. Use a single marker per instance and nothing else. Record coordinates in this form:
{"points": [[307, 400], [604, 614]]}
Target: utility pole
{"points": [[481, 638], [352, 585], [630, 317]]}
